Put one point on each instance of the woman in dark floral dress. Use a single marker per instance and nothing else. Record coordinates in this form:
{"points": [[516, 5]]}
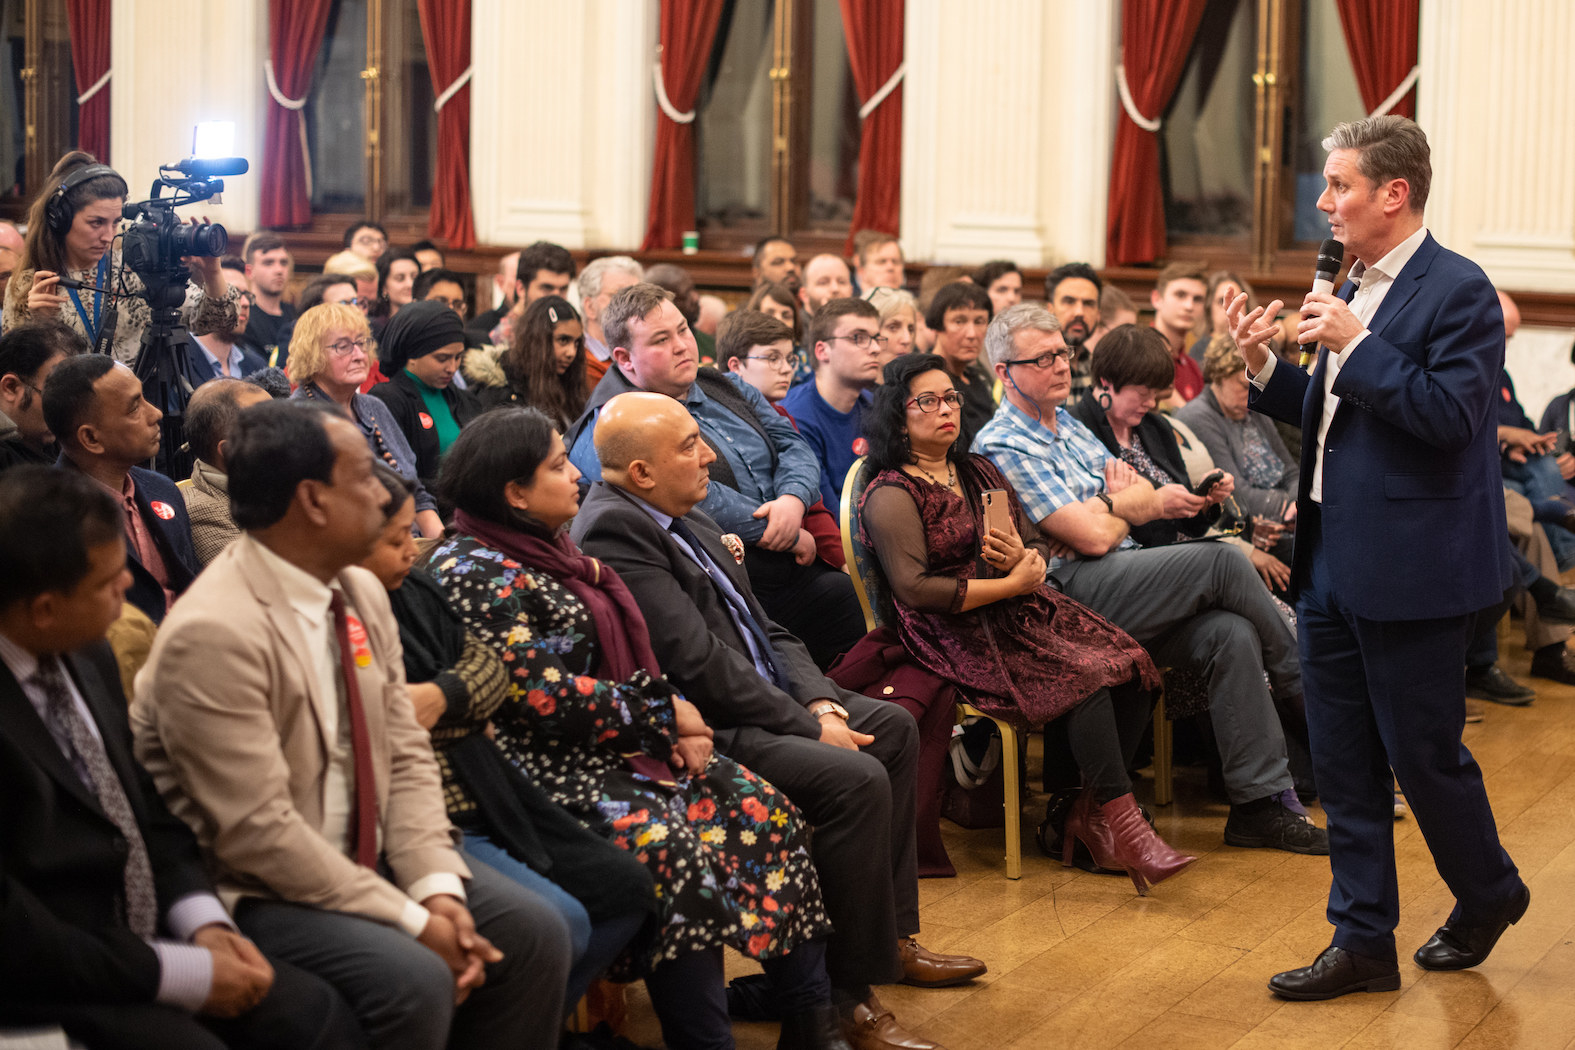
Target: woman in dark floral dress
{"points": [[594, 724], [974, 608]]}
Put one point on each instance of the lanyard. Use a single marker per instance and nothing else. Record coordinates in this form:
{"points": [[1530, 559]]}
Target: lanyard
{"points": [[98, 298]]}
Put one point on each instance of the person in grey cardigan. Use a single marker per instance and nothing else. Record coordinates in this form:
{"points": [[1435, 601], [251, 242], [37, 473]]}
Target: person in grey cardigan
{"points": [[1243, 443]]}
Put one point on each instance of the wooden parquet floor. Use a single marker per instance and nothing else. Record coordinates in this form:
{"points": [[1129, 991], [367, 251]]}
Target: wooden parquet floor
{"points": [[1080, 961]]}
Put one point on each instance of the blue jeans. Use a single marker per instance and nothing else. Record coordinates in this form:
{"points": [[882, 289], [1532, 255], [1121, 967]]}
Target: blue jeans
{"points": [[1539, 480], [593, 946]]}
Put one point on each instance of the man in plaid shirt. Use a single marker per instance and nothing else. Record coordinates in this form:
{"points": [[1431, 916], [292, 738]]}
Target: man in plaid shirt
{"points": [[1194, 605]]}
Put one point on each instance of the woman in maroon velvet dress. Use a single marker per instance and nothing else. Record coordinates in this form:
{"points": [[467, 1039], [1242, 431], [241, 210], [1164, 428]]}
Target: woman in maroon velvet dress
{"points": [[979, 613]]}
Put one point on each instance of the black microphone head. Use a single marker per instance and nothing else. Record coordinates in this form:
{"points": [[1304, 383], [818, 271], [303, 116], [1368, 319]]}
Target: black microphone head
{"points": [[210, 167], [1331, 253]]}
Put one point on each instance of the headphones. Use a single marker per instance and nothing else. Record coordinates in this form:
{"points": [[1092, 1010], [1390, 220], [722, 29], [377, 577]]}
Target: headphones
{"points": [[58, 212]]}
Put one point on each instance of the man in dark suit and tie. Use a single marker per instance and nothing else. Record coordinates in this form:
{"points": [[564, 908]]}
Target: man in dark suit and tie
{"points": [[95, 408], [110, 926], [1401, 544], [848, 762]]}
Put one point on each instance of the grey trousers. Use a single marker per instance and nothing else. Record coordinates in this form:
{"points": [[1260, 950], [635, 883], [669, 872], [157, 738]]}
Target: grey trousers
{"points": [[403, 993], [1201, 605]]}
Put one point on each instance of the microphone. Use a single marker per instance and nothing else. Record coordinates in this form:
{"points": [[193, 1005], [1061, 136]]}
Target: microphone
{"points": [[1331, 253], [86, 286], [209, 167]]}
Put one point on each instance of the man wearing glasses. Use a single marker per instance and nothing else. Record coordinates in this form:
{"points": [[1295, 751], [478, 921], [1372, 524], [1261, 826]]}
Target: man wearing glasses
{"points": [[845, 341], [1195, 605]]}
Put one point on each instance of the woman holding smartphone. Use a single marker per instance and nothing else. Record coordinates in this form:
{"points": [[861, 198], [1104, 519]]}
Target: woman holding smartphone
{"points": [[972, 606]]}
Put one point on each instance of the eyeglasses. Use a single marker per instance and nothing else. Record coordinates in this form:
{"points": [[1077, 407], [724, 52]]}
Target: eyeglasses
{"points": [[1044, 362], [932, 403], [862, 339], [776, 361], [457, 305], [345, 348], [357, 301]]}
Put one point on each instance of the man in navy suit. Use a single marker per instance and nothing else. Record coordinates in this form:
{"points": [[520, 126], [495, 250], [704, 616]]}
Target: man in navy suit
{"points": [[1401, 544], [95, 408], [110, 925]]}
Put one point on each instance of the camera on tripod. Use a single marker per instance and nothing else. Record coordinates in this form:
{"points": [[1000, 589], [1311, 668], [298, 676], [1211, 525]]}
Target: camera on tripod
{"points": [[155, 243]]}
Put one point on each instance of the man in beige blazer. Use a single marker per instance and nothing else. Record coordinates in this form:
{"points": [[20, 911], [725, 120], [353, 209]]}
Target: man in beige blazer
{"points": [[274, 719]]}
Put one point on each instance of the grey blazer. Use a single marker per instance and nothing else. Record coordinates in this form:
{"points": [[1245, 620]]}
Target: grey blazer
{"points": [[1226, 442]]}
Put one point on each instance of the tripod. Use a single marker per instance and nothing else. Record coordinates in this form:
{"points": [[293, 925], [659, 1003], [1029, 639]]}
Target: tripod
{"points": [[161, 366]]}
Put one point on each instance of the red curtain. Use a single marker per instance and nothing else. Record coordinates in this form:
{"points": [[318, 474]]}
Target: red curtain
{"points": [[874, 32], [295, 35], [445, 26], [1156, 39], [89, 25], [1382, 39], [687, 30]]}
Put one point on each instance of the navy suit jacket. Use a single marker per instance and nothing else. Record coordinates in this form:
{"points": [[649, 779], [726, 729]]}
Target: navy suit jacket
{"points": [[172, 534], [199, 369], [1413, 502], [62, 860]]}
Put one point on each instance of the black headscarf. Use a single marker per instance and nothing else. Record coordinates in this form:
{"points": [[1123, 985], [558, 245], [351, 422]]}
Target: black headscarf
{"points": [[418, 329]]}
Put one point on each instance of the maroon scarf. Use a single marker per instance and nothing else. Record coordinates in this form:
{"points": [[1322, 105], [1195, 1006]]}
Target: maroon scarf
{"points": [[623, 641]]}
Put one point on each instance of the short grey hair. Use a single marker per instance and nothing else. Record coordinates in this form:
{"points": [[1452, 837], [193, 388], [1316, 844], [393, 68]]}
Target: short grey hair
{"points": [[1388, 147], [1000, 339], [595, 272], [632, 303]]}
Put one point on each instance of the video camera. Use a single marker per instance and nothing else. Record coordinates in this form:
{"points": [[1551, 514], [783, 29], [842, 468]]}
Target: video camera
{"points": [[156, 242]]}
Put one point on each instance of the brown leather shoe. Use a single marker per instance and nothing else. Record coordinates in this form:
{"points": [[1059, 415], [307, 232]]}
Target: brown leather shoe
{"points": [[925, 969], [1476, 710], [873, 1027]]}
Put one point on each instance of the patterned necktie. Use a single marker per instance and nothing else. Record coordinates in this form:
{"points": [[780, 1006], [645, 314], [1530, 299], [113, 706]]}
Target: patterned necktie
{"points": [[364, 826], [92, 764], [740, 608]]}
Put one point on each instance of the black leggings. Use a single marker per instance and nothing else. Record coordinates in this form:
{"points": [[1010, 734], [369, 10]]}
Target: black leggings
{"points": [[689, 993], [1094, 742]]}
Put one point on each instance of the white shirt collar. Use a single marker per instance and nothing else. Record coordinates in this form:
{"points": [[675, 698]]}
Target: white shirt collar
{"points": [[307, 595], [22, 663], [1391, 264]]}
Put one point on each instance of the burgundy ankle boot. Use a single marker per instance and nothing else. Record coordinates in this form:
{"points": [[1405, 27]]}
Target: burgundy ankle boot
{"points": [[1137, 847]]}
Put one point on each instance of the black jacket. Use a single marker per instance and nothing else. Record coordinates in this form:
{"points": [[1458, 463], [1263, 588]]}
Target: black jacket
{"points": [[404, 400]]}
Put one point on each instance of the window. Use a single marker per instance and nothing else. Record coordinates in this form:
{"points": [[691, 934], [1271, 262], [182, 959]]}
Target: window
{"points": [[777, 125], [1241, 154], [371, 129], [38, 115]]}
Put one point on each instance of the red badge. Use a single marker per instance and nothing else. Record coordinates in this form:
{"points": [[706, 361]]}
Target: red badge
{"points": [[358, 646], [163, 510], [860, 446], [426, 420]]}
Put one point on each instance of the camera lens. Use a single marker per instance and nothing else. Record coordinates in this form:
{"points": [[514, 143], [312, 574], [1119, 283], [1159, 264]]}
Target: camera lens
{"points": [[206, 239]]}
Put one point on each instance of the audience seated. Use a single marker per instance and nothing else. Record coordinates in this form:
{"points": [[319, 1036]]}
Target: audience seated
{"points": [[420, 350], [274, 380], [767, 475], [1197, 605], [1223, 287], [274, 718], [543, 368], [826, 277], [712, 309], [210, 417], [367, 239], [458, 686], [396, 283], [846, 341], [94, 406], [225, 351], [1073, 292], [959, 315], [437, 285], [877, 260], [899, 319], [681, 284], [429, 255], [1131, 373], [1003, 281], [359, 269], [1015, 647], [330, 351], [544, 269], [1533, 464], [601, 280], [935, 278], [479, 331], [781, 302], [846, 761], [1547, 607], [268, 267], [11, 249], [111, 927], [28, 353], [1179, 299], [1246, 446], [775, 261], [1116, 308], [593, 722]]}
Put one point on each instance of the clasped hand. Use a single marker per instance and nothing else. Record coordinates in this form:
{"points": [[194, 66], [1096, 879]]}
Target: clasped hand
{"points": [[692, 753], [451, 933], [241, 976]]}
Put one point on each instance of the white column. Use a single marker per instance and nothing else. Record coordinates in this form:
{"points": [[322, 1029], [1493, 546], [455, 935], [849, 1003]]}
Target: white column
{"points": [[178, 63], [1006, 130], [561, 120], [1497, 100]]}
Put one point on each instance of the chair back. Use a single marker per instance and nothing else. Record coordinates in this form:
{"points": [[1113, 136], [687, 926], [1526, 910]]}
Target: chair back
{"points": [[863, 566]]}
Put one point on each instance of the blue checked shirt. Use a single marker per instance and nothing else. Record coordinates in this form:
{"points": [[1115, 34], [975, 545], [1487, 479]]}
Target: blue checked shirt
{"points": [[1050, 469]]}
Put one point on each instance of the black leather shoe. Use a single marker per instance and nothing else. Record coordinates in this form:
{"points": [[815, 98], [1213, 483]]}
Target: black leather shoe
{"points": [[1457, 946], [818, 1028], [1554, 665], [1335, 973], [1267, 824], [1491, 683], [1560, 607]]}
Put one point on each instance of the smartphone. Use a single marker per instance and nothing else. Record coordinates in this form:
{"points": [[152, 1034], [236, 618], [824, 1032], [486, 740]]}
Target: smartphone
{"points": [[1205, 486], [997, 511]]}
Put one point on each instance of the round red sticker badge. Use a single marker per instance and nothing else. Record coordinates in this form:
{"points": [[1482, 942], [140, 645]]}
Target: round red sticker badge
{"points": [[860, 446], [426, 420], [163, 510], [358, 646]]}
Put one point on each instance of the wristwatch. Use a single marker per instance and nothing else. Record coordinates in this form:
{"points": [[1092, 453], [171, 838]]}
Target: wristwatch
{"points": [[823, 707], [1110, 504]]}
